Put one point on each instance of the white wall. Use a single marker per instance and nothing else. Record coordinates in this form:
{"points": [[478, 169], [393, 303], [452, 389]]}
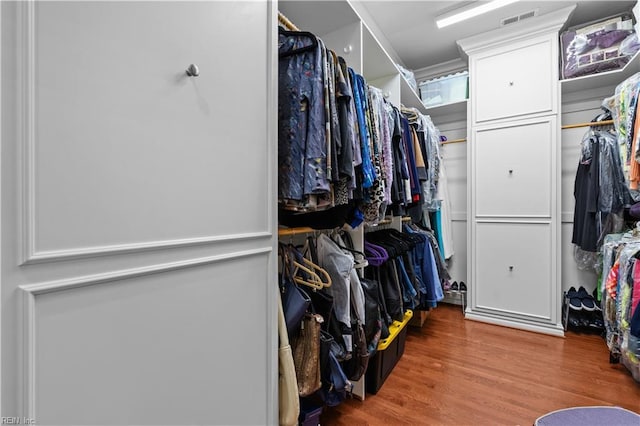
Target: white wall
{"points": [[455, 162]]}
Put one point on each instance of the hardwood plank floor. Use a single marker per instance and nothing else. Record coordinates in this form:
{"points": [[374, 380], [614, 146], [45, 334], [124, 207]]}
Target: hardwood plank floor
{"points": [[461, 372]]}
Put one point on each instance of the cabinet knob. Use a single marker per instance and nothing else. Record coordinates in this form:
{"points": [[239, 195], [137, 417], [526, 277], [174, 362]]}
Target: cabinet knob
{"points": [[511, 83], [193, 70], [510, 171], [510, 268]]}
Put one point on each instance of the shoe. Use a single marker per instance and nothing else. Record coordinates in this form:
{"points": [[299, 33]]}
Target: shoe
{"points": [[446, 285], [584, 319], [463, 287], [574, 321], [572, 292], [595, 299], [575, 304], [573, 301], [454, 286], [586, 300]]}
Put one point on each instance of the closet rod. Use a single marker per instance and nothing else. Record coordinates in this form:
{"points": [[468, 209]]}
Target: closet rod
{"points": [[454, 141], [406, 219], [286, 22], [284, 232], [588, 124]]}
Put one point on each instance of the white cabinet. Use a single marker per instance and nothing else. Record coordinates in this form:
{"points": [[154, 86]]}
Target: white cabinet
{"points": [[513, 166], [516, 81], [138, 281], [514, 267]]}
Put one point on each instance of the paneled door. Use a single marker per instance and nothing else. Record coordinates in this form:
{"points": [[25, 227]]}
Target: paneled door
{"points": [[137, 212]]}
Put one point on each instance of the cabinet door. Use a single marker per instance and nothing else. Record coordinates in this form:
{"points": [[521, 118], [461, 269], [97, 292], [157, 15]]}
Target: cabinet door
{"points": [[138, 212], [514, 82], [513, 169], [513, 269]]}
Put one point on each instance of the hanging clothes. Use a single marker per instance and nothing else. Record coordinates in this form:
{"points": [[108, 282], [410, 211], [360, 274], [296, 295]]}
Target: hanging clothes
{"points": [[302, 143]]}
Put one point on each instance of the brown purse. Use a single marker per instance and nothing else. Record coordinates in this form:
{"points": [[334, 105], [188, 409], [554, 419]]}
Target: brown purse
{"points": [[306, 354]]}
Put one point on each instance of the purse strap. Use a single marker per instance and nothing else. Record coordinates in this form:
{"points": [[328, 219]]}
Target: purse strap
{"points": [[282, 326]]}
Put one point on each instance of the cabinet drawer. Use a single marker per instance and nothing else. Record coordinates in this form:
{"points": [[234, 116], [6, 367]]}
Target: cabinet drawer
{"points": [[513, 269], [515, 82], [513, 169]]}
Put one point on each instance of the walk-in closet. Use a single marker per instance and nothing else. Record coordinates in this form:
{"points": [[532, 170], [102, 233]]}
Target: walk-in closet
{"points": [[305, 212]]}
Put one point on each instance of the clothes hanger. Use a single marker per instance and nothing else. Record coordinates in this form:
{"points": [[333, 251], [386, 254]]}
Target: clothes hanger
{"points": [[294, 269], [312, 46], [337, 237], [316, 278], [310, 248]]}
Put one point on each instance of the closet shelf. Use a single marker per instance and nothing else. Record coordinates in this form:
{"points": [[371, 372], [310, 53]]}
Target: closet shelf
{"points": [[459, 107], [604, 79], [409, 97]]}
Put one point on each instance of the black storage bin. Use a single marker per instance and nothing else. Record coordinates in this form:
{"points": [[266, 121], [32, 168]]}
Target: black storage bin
{"points": [[309, 413], [389, 352]]}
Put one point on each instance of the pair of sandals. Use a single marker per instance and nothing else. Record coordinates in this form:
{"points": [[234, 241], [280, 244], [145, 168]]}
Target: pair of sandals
{"points": [[462, 287], [581, 300]]}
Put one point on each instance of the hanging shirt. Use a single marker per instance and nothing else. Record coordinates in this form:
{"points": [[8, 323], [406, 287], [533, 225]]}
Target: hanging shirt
{"points": [[302, 144], [359, 94]]}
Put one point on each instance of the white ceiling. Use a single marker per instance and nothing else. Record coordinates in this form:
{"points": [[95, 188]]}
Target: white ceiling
{"points": [[410, 26]]}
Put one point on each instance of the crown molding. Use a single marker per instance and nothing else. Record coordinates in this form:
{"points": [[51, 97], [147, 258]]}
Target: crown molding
{"points": [[550, 22]]}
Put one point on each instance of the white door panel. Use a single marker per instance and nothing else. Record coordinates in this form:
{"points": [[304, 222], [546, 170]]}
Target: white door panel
{"points": [[138, 270], [513, 269], [129, 150], [140, 341], [514, 169]]}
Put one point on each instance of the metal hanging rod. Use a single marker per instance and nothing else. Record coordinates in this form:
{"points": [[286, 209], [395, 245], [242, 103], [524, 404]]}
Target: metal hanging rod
{"points": [[286, 22], [588, 124]]}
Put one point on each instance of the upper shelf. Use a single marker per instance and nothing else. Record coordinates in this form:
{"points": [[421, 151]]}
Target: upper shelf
{"points": [[409, 97], [318, 17], [376, 62], [340, 27], [604, 79], [453, 108]]}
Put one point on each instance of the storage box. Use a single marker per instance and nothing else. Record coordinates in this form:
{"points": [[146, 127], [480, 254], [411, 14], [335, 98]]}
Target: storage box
{"points": [[446, 89], [309, 413], [390, 350], [598, 46], [419, 317]]}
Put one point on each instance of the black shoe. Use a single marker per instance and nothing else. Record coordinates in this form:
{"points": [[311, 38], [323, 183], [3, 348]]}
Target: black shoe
{"points": [[463, 287], [454, 286], [586, 300]]}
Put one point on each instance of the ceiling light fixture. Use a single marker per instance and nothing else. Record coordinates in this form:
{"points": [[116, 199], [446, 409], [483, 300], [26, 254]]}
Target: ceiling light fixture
{"points": [[464, 13]]}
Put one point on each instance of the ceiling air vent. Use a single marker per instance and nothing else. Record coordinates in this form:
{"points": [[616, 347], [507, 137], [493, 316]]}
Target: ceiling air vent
{"points": [[513, 19]]}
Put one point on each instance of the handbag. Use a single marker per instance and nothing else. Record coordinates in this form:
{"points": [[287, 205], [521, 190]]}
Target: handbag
{"points": [[295, 301], [288, 400], [306, 354], [356, 366]]}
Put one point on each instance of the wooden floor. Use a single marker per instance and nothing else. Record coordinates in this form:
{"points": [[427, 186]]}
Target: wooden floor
{"points": [[461, 372]]}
